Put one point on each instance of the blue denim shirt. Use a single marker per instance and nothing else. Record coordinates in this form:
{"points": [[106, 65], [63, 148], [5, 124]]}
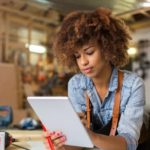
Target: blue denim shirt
{"points": [[131, 107]]}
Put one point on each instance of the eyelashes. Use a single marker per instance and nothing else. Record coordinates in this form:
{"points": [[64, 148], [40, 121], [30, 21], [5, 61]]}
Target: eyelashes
{"points": [[87, 52], [90, 52]]}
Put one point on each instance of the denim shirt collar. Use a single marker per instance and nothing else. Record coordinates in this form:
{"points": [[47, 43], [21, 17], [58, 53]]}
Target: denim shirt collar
{"points": [[88, 84]]}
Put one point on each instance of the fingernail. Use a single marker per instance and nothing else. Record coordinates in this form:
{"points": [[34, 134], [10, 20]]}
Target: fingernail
{"points": [[52, 133], [63, 138], [59, 134]]}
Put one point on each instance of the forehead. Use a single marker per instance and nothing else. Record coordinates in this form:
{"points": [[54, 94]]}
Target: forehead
{"points": [[85, 47]]}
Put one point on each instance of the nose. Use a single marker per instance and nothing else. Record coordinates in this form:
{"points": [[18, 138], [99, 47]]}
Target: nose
{"points": [[84, 60]]}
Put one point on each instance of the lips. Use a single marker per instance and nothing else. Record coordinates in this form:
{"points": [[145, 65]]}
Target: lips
{"points": [[87, 70]]}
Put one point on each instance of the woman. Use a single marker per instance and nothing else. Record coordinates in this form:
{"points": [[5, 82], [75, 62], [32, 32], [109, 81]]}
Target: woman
{"points": [[95, 44]]}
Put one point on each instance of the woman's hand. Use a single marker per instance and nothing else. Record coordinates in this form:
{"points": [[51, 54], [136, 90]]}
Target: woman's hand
{"points": [[83, 118], [58, 139], [84, 121]]}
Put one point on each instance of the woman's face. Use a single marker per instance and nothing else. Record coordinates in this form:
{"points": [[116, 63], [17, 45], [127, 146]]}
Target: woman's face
{"points": [[90, 60]]}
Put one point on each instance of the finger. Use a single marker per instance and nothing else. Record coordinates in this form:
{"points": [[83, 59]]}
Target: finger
{"points": [[59, 140], [84, 122], [82, 115], [60, 146], [56, 135]]}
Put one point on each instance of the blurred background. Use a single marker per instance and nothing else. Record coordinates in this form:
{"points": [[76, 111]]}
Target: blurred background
{"points": [[27, 31]]}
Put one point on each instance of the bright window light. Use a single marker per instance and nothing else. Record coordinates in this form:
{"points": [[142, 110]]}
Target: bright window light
{"points": [[132, 51], [145, 4], [36, 48]]}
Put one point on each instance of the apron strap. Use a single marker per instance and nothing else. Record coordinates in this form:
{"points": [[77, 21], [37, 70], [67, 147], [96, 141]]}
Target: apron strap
{"points": [[88, 110], [116, 108]]}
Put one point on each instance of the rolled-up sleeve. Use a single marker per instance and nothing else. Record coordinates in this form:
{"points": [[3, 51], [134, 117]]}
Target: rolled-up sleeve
{"points": [[131, 119]]}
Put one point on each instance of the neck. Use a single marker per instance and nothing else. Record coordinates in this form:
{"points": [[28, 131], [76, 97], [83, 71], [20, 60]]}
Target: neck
{"points": [[103, 79]]}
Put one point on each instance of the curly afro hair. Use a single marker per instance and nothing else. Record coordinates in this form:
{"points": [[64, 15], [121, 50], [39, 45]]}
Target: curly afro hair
{"points": [[81, 27]]}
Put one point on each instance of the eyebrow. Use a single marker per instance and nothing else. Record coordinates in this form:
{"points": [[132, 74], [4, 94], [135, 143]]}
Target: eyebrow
{"points": [[85, 48]]}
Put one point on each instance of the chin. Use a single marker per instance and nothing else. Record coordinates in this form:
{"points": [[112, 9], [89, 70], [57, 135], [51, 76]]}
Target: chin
{"points": [[90, 75]]}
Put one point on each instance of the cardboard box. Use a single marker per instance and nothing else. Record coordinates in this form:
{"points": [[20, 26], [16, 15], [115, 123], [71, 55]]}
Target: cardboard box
{"points": [[19, 114], [9, 86]]}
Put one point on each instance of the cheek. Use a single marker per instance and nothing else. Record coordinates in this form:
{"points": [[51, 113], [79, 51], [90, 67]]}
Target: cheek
{"points": [[99, 63], [95, 61]]}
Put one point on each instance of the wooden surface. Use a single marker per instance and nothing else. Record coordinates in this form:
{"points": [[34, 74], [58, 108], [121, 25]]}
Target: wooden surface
{"points": [[33, 140], [23, 134]]}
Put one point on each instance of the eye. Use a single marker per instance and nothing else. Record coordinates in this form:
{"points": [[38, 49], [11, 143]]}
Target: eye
{"points": [[90, 51]]}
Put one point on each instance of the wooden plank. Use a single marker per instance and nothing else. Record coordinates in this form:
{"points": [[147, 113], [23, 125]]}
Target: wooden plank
{"points": [[29, 15]]}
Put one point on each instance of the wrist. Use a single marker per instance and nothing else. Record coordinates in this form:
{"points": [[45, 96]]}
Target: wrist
{"points": [[92, 135]]}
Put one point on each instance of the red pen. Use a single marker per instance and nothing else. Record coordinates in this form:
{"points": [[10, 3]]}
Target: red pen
{"points": [[48, 139]]}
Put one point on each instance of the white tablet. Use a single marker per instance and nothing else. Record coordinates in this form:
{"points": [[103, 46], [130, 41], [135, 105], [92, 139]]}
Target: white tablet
{"points": [[57, 113]]}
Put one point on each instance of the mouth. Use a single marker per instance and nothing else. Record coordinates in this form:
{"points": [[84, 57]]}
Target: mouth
{"points": [[87, 70]]}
